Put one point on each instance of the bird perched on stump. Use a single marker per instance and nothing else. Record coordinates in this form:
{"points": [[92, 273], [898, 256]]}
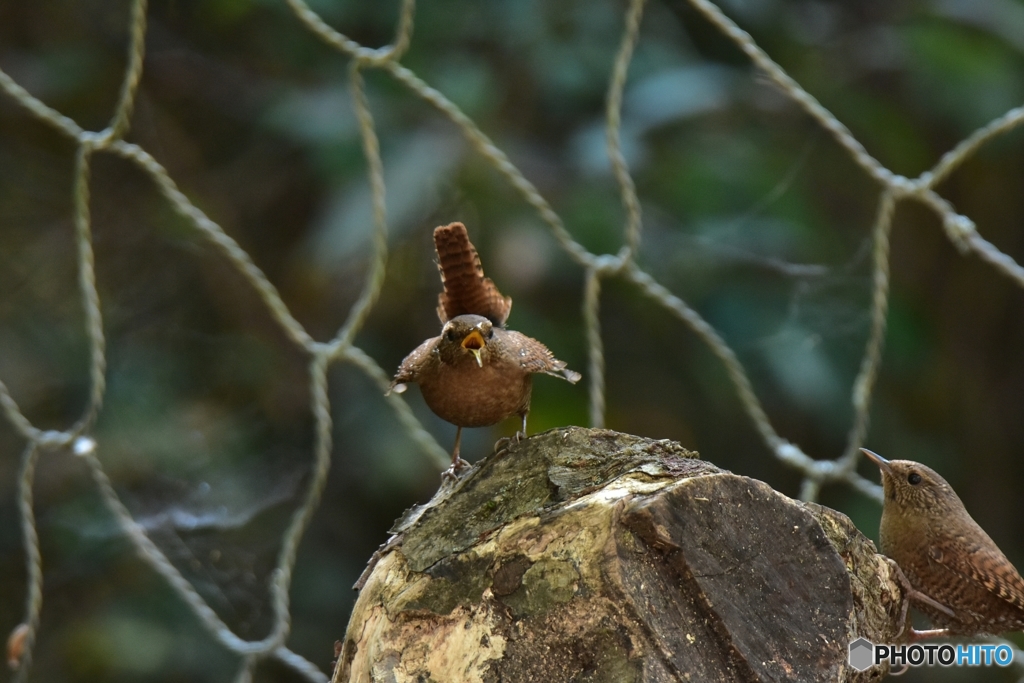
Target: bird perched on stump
{"points": [[475, 373], [958, 576]]}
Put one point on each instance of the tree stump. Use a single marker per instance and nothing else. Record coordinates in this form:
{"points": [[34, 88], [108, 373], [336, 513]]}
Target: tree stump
{"points": [[590, 555]]}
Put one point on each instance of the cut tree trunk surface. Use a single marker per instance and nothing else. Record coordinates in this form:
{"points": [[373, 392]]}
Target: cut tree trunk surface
{"points": [[590, 555]]}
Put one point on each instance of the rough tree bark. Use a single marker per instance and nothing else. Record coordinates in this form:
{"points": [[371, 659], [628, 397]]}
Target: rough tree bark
{"points": [[589, 555]]}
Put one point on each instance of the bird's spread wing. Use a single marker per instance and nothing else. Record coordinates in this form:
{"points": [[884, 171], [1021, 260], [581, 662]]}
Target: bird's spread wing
{"points": [[466, 290], [535, 357], [982, 563], [408, 370]]}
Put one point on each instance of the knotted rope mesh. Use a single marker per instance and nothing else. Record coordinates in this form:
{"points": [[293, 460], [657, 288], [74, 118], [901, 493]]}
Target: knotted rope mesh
{"points": [[597, 268]]}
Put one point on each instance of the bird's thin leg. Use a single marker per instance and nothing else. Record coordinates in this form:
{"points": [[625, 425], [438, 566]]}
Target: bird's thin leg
{"points": [[457, 462], [916, 635], [911, 593], [521, 434]]}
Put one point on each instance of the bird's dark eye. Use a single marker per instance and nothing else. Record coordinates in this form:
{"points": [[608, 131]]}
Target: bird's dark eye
{"points": [[450, 335], [490, 332], [913, 478]]}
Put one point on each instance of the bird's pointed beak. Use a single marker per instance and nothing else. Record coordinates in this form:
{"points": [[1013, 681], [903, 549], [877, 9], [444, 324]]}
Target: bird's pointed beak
{"points": [[882, 463], [474, 342]]}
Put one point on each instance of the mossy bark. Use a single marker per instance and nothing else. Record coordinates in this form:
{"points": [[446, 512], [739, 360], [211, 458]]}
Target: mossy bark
{"points": [[589, 555]]}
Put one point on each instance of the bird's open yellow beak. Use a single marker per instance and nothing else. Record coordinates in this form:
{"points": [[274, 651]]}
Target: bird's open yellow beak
{"points": [[474, 342]]}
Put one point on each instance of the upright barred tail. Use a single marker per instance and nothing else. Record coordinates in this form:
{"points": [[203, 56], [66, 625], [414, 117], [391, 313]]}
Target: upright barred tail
{"points": [[466, 290]]}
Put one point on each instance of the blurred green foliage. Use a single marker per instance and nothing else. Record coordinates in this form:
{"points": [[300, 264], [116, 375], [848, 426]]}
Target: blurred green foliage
{"points": [[752, 214]]}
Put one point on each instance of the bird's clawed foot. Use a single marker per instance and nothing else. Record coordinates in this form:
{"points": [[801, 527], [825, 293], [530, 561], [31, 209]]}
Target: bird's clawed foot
{"points": [[502, 445], [453, 472]]}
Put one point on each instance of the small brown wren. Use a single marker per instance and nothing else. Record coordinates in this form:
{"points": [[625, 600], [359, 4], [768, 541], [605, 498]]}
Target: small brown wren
{"points": [[960, 579], [475, 373]]}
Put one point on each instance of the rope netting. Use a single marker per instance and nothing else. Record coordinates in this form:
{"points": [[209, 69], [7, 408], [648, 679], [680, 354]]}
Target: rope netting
{"points": [[892, 189]]}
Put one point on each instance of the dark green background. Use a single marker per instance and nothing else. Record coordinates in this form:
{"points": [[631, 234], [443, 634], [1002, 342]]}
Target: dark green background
{"points": [[206, 429]]}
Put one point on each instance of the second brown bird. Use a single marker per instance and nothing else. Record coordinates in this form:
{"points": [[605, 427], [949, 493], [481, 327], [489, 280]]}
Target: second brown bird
{"points": [[475, 373], [945, 555]]}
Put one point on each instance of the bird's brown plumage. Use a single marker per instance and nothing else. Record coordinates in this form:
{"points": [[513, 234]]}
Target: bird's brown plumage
{"points": [[944, 554], [475, 373]]}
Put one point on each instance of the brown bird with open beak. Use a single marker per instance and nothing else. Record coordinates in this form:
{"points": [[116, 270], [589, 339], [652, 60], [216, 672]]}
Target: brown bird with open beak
{"points": [[476, 373], [959, 578]]}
